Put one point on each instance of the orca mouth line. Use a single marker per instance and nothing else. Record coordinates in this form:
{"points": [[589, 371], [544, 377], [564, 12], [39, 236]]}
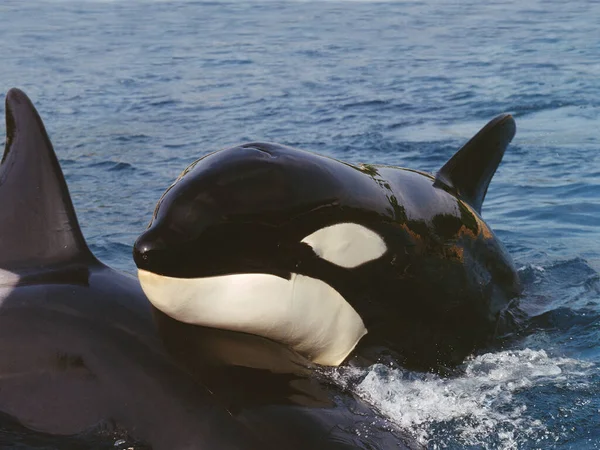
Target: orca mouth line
{"points": [[345, 245], [303, 313]]}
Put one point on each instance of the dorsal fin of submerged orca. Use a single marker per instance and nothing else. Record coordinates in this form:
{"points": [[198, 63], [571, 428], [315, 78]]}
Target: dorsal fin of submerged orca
{"points": [[469, 172], [38, 226]]}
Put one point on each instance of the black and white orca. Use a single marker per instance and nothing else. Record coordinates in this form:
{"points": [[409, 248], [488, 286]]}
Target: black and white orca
{"points": [[335, 261], [80, 357], [82, 362]]}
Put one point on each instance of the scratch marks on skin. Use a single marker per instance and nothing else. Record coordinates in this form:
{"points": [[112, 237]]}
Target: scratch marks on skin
{"points": [[441, 236], [456, 252], [484, 230], [465, 231], [415, 237]]}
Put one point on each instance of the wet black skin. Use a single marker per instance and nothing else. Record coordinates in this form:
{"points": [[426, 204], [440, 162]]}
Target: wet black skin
{"points": [[80, 356], [444, 288], [83, 363]]}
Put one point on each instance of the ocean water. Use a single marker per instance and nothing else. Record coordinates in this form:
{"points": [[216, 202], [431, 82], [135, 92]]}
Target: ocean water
{"points": [[133, 91]]}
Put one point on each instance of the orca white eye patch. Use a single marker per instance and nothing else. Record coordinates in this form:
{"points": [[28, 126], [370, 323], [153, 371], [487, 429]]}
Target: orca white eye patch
{"points": [[346, 245]]}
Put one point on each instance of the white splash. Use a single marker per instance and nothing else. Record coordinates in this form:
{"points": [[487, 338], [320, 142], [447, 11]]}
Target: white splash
{"points": [[533, 267], [478, 408]]}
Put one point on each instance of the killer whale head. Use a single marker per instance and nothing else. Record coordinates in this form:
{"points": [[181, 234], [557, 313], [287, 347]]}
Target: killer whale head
{"points": [[319, 255]]}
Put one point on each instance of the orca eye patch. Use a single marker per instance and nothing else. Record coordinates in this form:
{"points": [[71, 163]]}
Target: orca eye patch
{"points": [[346, 245]]}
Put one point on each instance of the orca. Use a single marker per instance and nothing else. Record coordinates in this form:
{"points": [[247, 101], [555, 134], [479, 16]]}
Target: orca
{"points": [[78, 346], [82, 361], [340, 263]]}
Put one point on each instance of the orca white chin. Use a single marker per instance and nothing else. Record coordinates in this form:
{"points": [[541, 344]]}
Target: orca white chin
{"points": [[304, 313]]}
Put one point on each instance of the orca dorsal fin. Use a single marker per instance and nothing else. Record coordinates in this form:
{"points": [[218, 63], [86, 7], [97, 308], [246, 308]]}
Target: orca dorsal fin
{"points": [[469, 172], [38, 226]]}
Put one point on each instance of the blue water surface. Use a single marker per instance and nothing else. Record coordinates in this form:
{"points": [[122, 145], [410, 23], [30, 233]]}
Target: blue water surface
{"points": [[133, 91]]}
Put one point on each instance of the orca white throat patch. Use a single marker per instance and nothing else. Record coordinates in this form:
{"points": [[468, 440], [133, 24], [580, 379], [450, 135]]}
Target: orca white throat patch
{"points": [[304, 313], [346, 245]]}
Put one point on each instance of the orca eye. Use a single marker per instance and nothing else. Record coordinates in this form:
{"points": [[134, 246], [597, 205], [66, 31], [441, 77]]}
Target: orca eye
{"points": [[346, 245]]}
